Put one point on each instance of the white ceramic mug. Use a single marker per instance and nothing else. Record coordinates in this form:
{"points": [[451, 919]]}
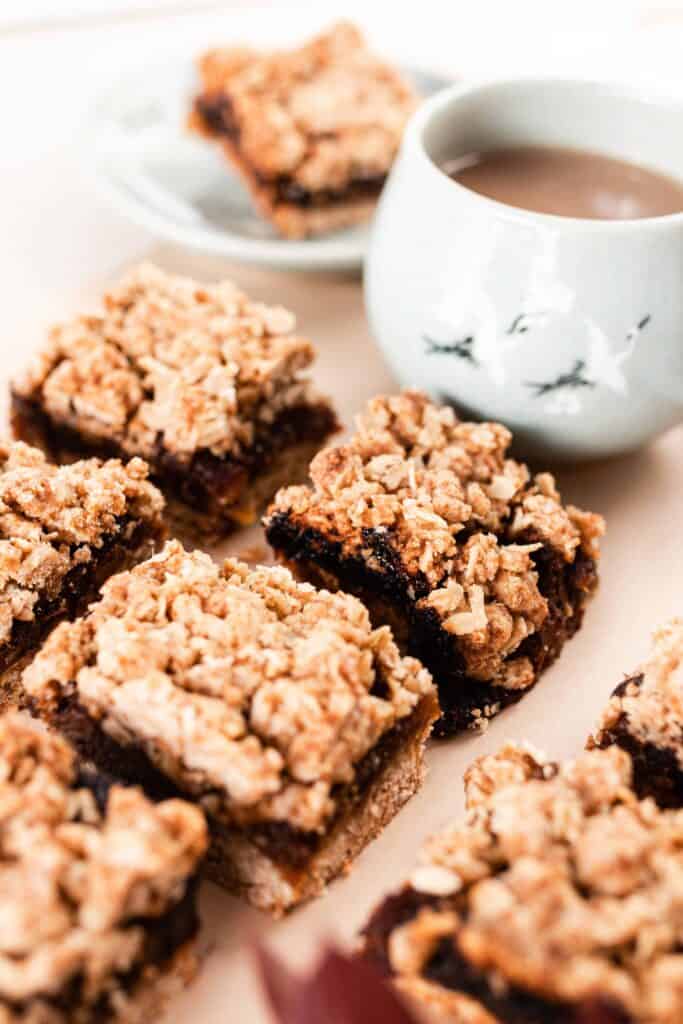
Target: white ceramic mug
{"points": [[569, 331]]}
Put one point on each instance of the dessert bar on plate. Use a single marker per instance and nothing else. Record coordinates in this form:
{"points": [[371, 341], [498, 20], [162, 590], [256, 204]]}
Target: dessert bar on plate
{"points": [[478, 567], [556, 901], [312, 131], [645, 717], [199, 380], [63, 531], [98, 889], [296, 726]]}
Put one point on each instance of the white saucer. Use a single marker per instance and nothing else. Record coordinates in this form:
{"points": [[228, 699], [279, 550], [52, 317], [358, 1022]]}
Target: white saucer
{"points": [[181, 188]]}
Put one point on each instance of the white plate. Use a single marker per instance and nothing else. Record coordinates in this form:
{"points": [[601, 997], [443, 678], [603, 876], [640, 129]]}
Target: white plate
{"points": [[181, 188]]}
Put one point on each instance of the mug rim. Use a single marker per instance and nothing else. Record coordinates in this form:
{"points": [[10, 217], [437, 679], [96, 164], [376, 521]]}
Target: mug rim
{"points": [[452, 94]]}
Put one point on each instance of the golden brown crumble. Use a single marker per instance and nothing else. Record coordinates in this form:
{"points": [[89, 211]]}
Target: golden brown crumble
{"points": [[419, 476], [171, 364], [654, 707], [514, 763], [251, 691], [54, 518], [72, 879], [323, 116], [559, 882]]}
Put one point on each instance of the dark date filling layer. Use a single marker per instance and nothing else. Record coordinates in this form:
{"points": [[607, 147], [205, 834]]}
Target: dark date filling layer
{"points": [[280, 841], [209, 483], [81, 585], [419, 631], [448, 968], [164, 936], [216, 115], [656, 770]]}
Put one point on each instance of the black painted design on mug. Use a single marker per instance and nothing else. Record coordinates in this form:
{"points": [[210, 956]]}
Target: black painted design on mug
{"points": [[462, 348], [523, 322], [635, 331], [575, 378]]}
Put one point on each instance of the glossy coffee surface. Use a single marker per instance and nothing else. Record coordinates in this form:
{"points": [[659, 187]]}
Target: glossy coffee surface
{"points": [[568, 182]]}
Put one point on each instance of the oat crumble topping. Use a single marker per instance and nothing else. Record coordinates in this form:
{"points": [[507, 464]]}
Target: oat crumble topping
{"points": [[420, 477], [562, 883], [322, 116], [54, 518], [253, 692], [72, 878], [654, 708], [171, 365]]}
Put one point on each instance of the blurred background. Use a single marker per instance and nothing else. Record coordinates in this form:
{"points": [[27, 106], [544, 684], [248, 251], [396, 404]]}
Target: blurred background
{"points": [[56, 56]]}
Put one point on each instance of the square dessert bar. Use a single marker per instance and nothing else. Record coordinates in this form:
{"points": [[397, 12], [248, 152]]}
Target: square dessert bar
{"points": [[645, 718], [297, 727], [478, 567], [63, 531], [199, 380], [313, 132], [98, 889], [558, 899]]}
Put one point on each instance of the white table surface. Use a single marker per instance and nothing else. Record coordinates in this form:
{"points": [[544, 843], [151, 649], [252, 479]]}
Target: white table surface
{"points": [[59, 244]]}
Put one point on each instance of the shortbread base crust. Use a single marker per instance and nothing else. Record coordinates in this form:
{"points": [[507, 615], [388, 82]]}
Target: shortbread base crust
{"points": [[281, 457], [239, 865], [258, 866], [192, 526]]}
